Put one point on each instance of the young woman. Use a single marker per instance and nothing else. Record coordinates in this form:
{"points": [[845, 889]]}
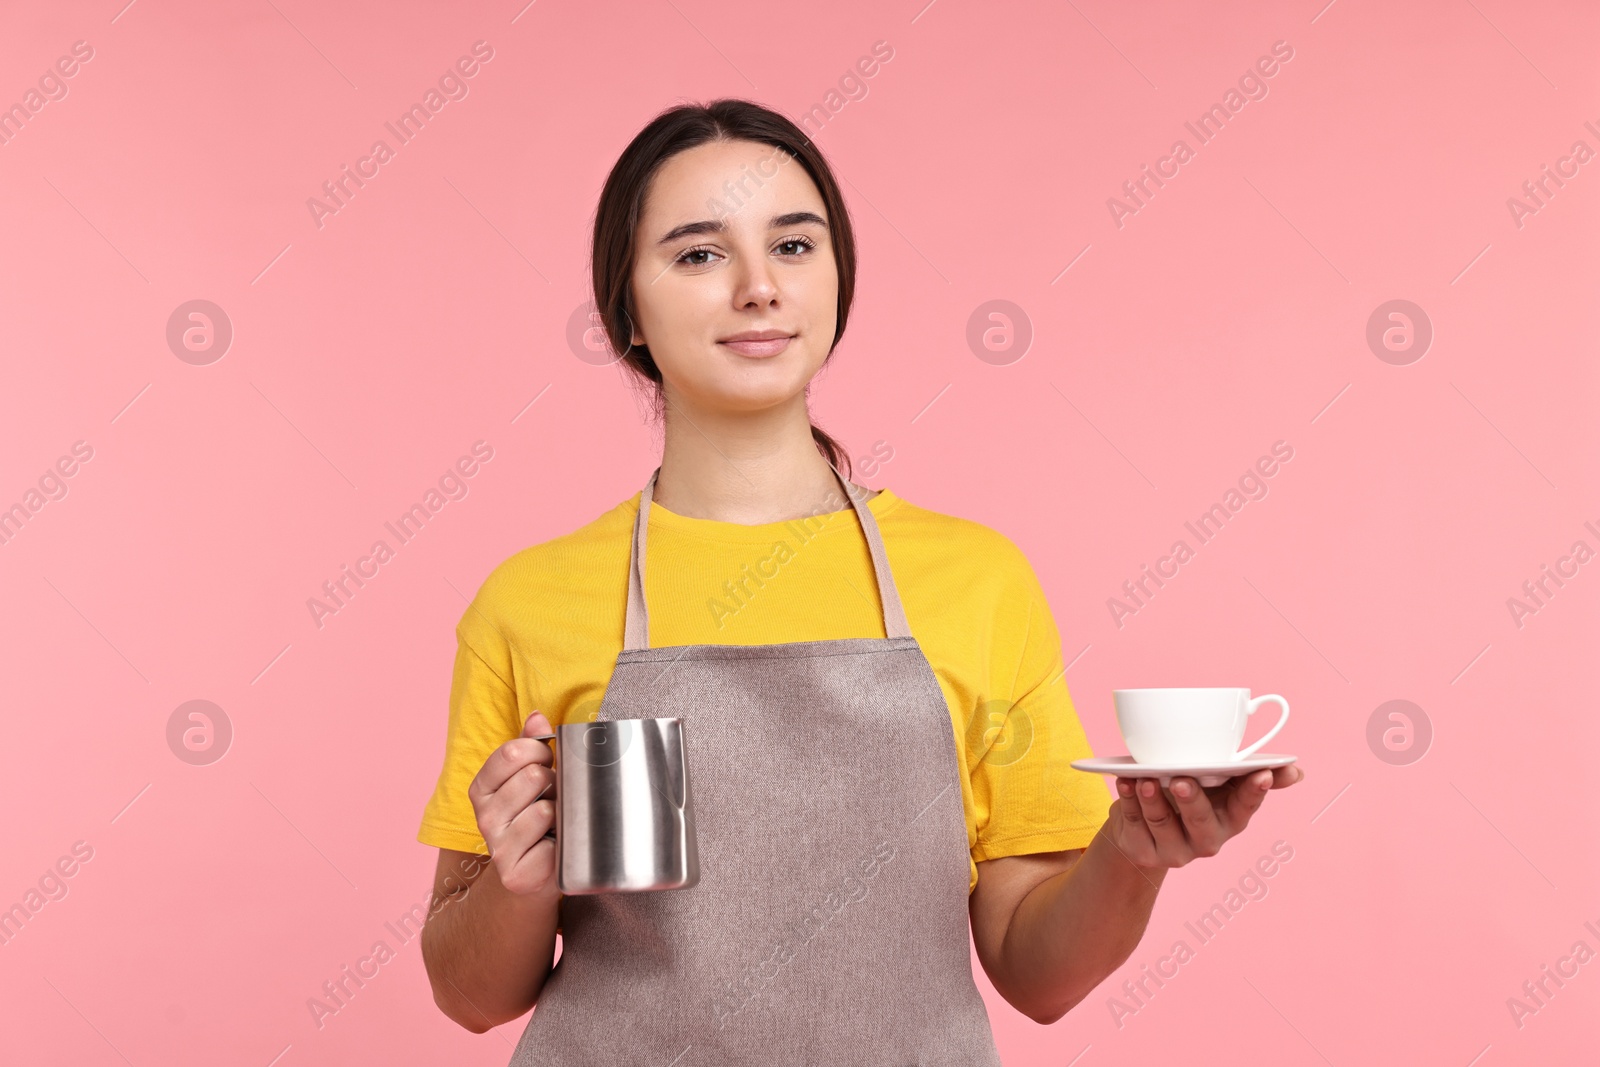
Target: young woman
{"points": [[876, 724]]}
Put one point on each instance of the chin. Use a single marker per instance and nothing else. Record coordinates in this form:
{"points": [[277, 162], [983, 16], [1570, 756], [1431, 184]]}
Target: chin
{"points": [[748, 385], [754, 392], [752, 400]]}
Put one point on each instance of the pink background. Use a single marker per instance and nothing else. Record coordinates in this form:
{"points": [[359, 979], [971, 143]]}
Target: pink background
{"points": [[1229, 313]]}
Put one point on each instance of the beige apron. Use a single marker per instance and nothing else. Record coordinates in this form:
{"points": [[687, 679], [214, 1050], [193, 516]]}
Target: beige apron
{"points": [[829, 926]]}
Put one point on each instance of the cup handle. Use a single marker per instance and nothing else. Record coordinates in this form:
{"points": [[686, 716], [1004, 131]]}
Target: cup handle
{"points": [[1250, 709]]}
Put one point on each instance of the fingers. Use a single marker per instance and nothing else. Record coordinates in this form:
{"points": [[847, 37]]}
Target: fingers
{"points": [[1210, 824], [1150, 832], [533, 784], [1282, 777], [527, 865], [1166, 829], [532, 821], [512, 757], [513, 797], [1245, 795], [1206, 832], [1133, 833], [1197, 822]]}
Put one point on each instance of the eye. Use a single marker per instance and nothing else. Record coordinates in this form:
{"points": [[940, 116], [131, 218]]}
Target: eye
{"points": [[805, 243], [801, 244], [684, 256]]}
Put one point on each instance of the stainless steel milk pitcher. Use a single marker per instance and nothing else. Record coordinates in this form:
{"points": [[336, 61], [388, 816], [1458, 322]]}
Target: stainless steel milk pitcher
{"points": [[624, 814]]}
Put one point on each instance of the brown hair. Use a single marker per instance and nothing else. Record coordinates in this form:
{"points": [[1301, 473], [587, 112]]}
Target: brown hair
{"points": [[622, 199]]}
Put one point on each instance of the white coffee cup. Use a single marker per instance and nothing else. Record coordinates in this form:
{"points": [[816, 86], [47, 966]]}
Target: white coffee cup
{"points": [[1179, 727]]}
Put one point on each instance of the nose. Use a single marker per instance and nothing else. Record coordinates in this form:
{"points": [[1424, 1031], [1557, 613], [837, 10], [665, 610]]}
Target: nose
{"points": [[756, 286]]}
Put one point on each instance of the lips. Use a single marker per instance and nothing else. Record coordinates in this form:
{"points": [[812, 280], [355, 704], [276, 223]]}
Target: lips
{"points": [[758, 342]]}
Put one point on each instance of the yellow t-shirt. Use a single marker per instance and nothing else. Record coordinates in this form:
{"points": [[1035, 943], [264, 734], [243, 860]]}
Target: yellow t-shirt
{"points": [[545, 628]]}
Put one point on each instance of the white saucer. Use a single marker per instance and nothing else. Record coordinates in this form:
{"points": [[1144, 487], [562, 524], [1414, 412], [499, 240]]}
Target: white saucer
{"points": [[1208, 774]]}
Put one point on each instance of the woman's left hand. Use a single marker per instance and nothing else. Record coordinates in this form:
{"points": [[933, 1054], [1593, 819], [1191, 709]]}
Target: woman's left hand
{"points": [[1151, 833]]}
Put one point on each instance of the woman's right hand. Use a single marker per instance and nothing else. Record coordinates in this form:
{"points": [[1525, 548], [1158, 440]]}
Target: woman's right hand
{"points": [[513, 797]]}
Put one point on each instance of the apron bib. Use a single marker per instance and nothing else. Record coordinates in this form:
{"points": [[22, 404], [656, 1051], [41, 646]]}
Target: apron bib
{"points": [[829, 925]]}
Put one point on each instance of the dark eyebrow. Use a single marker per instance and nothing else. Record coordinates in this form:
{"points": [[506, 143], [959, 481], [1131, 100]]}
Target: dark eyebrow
{"points": [[777, 222]]}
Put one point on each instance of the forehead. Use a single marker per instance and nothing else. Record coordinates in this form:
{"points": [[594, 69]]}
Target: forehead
{"points": [[748, 181]]}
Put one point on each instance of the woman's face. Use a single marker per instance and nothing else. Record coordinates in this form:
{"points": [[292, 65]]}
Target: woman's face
{"points": [[733, 239]]}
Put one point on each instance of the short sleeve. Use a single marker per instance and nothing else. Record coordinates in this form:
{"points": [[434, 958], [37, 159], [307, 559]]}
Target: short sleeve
{"points": [[483, 716], [1028, 796]]}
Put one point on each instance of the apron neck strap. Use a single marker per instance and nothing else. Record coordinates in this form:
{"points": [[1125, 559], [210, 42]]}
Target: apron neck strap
{"points": [[636, 628]]}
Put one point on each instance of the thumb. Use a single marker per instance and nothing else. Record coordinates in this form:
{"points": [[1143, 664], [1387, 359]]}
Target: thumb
{"points": [[536, 724]]}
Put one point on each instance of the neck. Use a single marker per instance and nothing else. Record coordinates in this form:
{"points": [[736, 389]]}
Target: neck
{"points": [[746, 468]]}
